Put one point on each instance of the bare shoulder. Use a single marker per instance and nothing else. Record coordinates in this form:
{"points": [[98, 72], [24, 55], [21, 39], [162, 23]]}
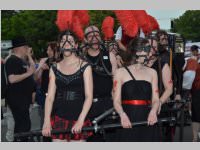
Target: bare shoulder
{"points": [[119, 72], [151, 70]]}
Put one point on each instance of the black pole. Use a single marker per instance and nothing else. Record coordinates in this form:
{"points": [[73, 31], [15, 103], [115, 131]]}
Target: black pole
{"points": [[102, 127]]}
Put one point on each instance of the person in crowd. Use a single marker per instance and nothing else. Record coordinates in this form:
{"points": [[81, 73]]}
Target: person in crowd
{"points": [[135, 90], [20, 85], [70, 93], [103, 65], [196, 96], [42, 78]]}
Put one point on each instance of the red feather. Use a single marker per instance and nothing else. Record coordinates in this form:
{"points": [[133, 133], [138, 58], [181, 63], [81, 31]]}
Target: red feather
{"points": [[107, 28], [127, 21], [141, 17], [64, 19], [77, 28], [154, 24], [83, 17]]}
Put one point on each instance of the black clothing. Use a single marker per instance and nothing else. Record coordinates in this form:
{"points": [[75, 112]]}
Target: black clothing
{"points": [[139, 90], [19, 96], [70, 96], [100, 75], [20, 93], [196, 105], [45, 76], [102, 83]]}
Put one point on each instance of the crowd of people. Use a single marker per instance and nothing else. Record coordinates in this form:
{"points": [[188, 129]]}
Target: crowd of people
{"points": [[77, 82]]}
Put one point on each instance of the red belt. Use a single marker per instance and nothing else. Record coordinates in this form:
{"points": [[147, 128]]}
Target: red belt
{"points": [[136, 102]]}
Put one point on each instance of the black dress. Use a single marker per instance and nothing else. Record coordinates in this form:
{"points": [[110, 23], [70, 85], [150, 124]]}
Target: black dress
{"points": [[68, 104], [138, 93]]}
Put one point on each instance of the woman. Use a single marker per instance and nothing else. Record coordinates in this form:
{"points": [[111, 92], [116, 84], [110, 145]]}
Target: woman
{"points": [[135, 90], [69, 93]]}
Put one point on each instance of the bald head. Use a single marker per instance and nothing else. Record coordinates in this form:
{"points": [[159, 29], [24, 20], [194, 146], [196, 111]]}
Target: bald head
{"points": [[91, 28]]}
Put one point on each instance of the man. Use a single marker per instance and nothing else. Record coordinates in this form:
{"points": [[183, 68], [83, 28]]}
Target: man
{"points": [[104, 65], [20, 85], [165, 83]]}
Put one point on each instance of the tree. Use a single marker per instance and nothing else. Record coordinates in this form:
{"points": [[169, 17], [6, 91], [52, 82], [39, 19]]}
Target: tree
{"points": [[188, 25], [37, 26]]}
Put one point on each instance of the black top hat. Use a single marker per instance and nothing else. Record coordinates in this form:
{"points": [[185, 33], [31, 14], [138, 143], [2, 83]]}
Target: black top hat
{"points": [[194, 48], [19, 41]]}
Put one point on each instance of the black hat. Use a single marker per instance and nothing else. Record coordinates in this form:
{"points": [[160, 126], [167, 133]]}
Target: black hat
{"points": [[19, 41], [194, 48]]}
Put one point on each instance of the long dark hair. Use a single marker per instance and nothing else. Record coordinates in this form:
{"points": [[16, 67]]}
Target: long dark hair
{"points": [[133, 46]]}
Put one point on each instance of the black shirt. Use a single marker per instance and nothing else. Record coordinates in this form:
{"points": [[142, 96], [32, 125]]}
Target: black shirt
{"points": [[20, 93], [102, 82]]}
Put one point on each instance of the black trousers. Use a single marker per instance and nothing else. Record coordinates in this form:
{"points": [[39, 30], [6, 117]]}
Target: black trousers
{"points": [[22, 121]]}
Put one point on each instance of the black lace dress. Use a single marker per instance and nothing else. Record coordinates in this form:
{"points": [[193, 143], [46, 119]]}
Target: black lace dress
{"points": [[68, 103], [136, 101]]}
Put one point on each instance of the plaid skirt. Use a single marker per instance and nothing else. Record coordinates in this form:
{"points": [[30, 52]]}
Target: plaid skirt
{"points": [[58, 123]]}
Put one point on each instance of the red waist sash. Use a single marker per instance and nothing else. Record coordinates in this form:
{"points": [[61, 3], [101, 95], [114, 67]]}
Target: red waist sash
{"points": [[136, 102]]}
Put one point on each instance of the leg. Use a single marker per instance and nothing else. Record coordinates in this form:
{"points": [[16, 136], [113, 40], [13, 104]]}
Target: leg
{"points": [[10, 125], [195, 130]]}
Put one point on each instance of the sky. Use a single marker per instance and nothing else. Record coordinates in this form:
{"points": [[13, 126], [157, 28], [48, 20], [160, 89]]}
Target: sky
{"points": [[164, 16]]}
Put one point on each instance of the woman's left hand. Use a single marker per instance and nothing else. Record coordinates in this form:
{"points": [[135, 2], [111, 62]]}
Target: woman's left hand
{"points": [[77, 127], [152, 118]]}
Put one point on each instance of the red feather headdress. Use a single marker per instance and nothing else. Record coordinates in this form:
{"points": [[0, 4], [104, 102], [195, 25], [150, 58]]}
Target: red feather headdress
{"points": [[127, 21], [154, 24], [83, 17], [107, 28], [67, 20], [143, 20]]}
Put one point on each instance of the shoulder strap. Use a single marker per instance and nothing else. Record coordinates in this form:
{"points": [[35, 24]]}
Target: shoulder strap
{"points": [[84, 67], [160, 74], [129, 72]]}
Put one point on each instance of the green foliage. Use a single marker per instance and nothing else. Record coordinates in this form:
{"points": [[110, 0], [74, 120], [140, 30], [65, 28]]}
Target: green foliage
{"points": [[188, 25], [38, 26]]}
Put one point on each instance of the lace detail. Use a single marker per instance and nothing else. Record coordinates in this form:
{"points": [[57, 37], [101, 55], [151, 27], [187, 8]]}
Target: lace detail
{"points": [[67, 79]]}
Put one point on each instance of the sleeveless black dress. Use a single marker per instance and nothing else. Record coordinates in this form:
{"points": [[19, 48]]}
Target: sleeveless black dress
{"points": [[138, 93], [68, 104]]}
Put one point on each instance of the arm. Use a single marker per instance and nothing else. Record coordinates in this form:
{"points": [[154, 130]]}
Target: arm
{"points": [[88, 87], [117, 100], [167, 82], [155, 95], [17, 78], [113, 61], [41, 67], [49, 104], [152, 118]]}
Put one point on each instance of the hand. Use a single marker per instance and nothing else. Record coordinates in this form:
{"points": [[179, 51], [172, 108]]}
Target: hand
{"points": [[31, 69], [45, 67], [77, 127], [152, 118], [178, 97], [42, 61], [46, 130], [30, 51], [125, 121]]}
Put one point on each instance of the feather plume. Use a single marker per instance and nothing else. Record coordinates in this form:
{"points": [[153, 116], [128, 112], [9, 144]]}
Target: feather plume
{"points": [[107, 28], [83, 17], [127, 21], [64, 19]]}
